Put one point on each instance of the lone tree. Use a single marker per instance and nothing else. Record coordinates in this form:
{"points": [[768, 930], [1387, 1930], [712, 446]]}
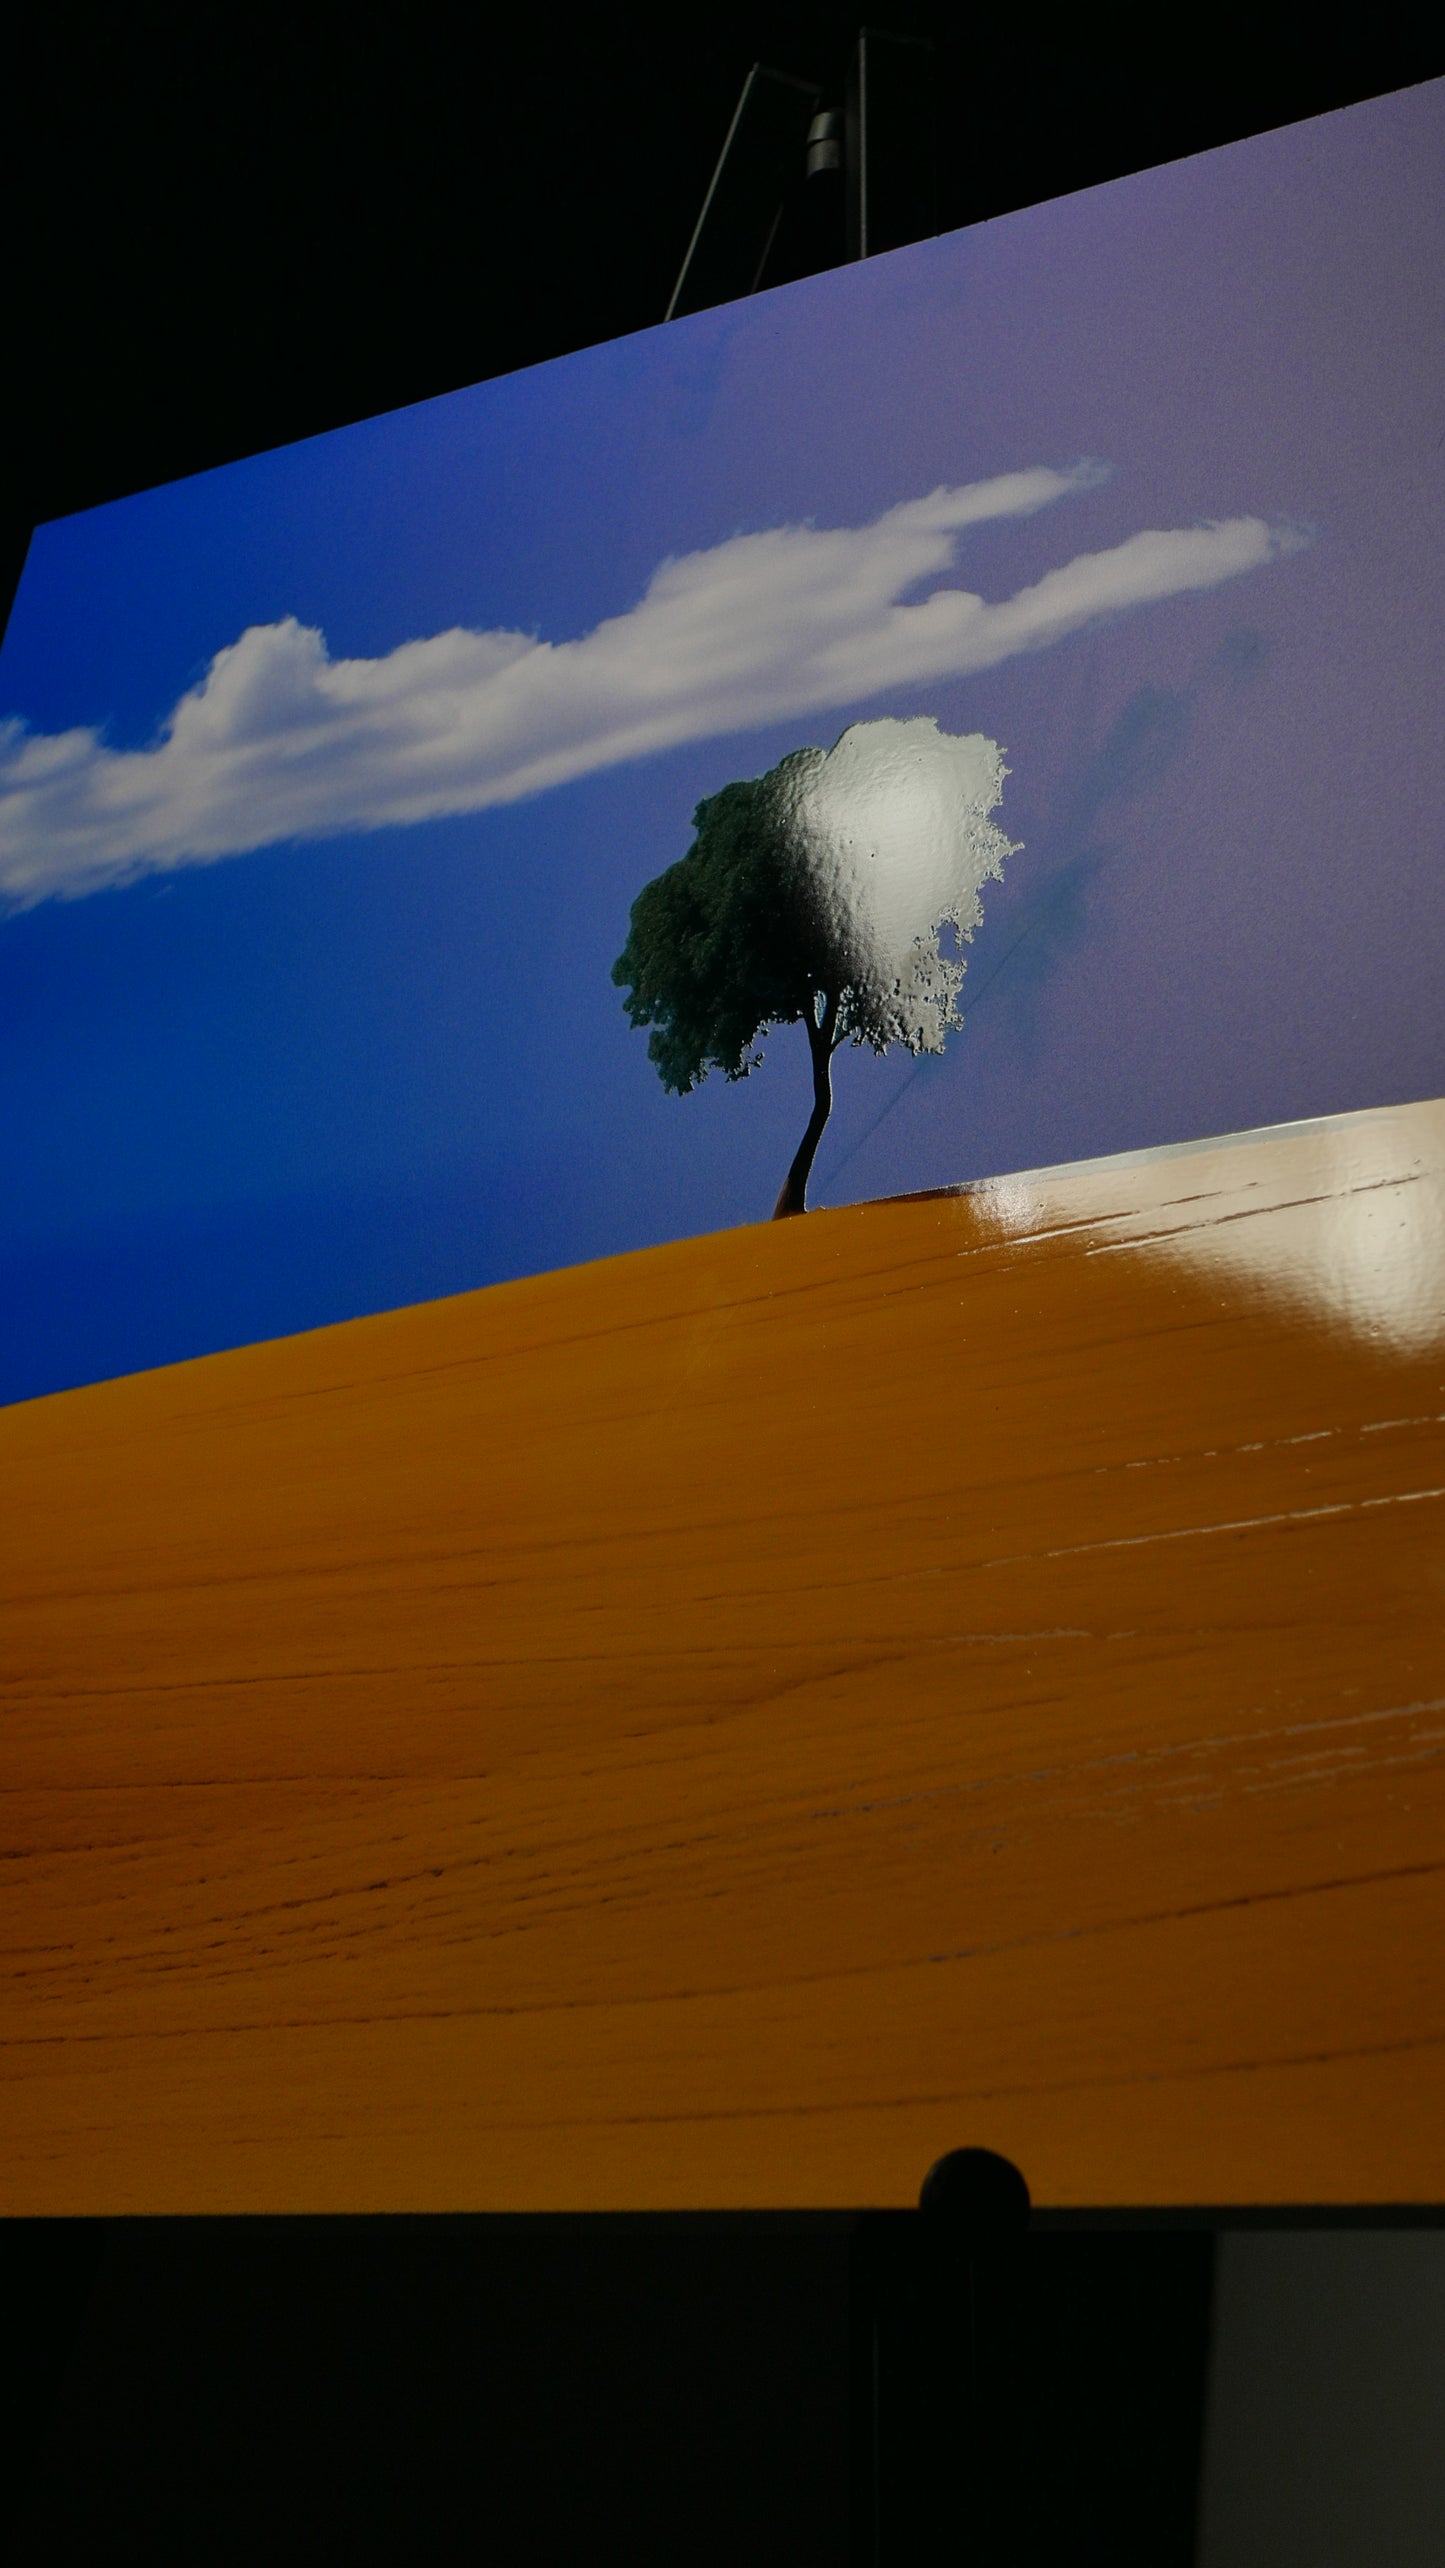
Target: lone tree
{"points": [[815, 895]]}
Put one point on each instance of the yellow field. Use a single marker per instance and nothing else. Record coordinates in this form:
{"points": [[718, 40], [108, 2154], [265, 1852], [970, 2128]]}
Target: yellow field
{"points": [[724, 1725]]}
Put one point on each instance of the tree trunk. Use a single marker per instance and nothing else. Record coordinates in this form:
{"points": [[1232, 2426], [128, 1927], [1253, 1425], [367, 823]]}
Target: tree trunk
{"points": [[794, 1196]]}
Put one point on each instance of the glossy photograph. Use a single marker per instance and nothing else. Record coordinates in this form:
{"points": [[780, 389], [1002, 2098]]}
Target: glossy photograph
{"points": [[969, 711], [722, 1352]]}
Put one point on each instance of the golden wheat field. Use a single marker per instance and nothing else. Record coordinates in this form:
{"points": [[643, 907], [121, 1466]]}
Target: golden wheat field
{"points": [[720, 1726]]}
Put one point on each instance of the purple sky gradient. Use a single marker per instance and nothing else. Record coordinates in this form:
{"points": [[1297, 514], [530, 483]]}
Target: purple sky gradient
{"points": [[315, 1080]]}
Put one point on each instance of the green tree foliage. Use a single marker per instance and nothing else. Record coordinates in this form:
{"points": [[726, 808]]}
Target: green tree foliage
{"points": [[814, 895], [719, 946]]}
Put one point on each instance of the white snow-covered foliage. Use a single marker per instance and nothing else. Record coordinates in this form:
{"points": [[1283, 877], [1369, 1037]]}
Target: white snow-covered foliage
{"points": [[891, 832]]}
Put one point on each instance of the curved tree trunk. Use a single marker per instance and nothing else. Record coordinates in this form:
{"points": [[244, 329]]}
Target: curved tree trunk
{"points": [[794, 1196]]}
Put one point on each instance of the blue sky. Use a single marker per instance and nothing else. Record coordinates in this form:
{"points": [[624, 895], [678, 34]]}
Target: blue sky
{"points": [[264, 1067]]}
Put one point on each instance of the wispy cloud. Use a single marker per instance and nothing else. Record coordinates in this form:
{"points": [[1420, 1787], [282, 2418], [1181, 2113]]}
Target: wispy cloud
{"points": [[281, 741]]}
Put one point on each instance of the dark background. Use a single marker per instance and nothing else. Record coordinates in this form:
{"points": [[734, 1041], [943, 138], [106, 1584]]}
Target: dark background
{"points": [[676, 2392], [229, 227], [235, 227]]}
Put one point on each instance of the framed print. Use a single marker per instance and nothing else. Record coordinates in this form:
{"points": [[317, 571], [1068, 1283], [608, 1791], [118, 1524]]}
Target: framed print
{"points": [[722, 1317]]}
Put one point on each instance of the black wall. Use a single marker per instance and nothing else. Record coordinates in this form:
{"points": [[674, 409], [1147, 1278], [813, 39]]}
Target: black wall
{"points": [[228, 227], [520, 2392]]}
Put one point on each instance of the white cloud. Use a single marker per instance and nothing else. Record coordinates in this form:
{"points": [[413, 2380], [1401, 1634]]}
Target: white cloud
{"points": [[280, 741]]}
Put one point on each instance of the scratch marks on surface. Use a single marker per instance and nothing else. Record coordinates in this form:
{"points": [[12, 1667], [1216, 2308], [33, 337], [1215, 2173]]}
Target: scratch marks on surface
{"points": [[1230, 1525]]}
